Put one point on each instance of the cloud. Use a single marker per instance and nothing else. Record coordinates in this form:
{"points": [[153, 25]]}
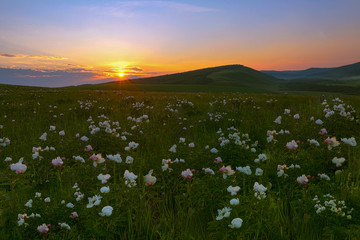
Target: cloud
{"points": [[128, 9], [31, 56]]}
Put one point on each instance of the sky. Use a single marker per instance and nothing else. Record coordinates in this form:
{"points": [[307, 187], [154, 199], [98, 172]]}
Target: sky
{"points": [[67, 42]]}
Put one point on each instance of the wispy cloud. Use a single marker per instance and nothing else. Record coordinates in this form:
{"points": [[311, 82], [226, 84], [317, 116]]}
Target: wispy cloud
{"points": [[6, 55], [131, 8]]}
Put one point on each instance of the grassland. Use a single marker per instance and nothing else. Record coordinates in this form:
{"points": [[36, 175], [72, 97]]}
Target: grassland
{"points": [[238, 126]]}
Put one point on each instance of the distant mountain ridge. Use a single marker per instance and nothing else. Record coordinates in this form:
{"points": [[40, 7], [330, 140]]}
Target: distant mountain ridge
{"points": [[347, 72]]}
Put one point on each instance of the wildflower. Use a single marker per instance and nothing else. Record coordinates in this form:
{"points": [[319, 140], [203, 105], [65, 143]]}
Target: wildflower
{"points": [[209, 170], [314, 142], [302, 179], [278, 120], [261, 158], [323, 131], [79, 159], [97, 159], [84, 139], [88, 148], [181, 140], [129, 160], [351, 141], [214, 150], [57, 162], [260, 191], [105, 189], [116, 158], [64, 225], [338, 161], [62, 133], [69, 205], [223, 213], [296, 116], [332, 142], [130, 178], [233, 190], [236, 223], [323, 176], [18, 167], [191, 145], [52, 128], [218, 160], [43, 137], [227, 171], [47, 200], [234, 202], [258, 172], [187, 173], [8, 159], [43, 228], [94, 201], [29, 203], [286, 111], [74, 215], [149, 179], [319, 122], [37, 194], [103, 178], [246, 170], [106, 211], [292, 145], [173, 149]]}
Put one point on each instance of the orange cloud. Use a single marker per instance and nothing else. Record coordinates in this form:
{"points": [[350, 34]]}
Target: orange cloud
{"points": [[31, 56]]}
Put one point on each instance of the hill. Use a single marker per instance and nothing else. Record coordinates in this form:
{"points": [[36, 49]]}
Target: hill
{"points": [[231, 78]]}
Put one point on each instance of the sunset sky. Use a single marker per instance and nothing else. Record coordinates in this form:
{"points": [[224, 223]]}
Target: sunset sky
{"points": [[58, 43]]}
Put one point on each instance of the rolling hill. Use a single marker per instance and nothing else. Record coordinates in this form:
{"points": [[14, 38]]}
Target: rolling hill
{"points": [[233, 78]]}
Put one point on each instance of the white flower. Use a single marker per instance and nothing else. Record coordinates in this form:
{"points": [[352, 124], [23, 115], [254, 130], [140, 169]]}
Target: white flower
{"points": [[173, 149], [105, 189], [47, 199], [106, 211], [260, 191], [79, 159], [130, 178], [70, 205], [351, 141], [209, 170], [8, 159], [236, 223], [84, 139], [338, 161], [214, 150], [296, 116], [62, 133], [64, 225], [129, 160], [42, 228], [29, 203], [278, 120], [191, 145], [323, 176], [233, 190], [103, 178], [94, 201], [52, 128], [37, 194], [116, 158], [259, 172], [261, 158], [43, 137], [223, 213], [234, 201], [319, 122]]}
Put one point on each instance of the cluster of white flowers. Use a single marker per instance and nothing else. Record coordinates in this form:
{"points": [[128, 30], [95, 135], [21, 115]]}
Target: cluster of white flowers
{"points": [[333, 205]]}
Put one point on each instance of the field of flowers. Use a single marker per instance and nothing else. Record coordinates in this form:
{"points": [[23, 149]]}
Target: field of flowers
{"points": [[134, 165]]}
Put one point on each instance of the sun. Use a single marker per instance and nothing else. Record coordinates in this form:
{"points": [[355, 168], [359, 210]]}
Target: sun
{"points": [[121, 74]]}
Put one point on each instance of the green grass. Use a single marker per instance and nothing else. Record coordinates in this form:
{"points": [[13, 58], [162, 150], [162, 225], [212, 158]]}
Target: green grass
{"points": [[174, 208]]}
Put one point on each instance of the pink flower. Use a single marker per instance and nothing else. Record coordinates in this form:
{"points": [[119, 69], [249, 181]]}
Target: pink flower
{"points": [[43, 228], [18, 167], [218, 160], [88, 148], [292, 145], [303, 179], [74, 215], [323, 131], [57, 162], [187, 174]]}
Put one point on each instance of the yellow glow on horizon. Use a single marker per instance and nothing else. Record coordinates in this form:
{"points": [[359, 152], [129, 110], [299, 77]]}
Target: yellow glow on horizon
{"points": [[121, 74]]}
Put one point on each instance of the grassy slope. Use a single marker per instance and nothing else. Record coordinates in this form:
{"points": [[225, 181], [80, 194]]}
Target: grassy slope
{"points": [[230, 78]]}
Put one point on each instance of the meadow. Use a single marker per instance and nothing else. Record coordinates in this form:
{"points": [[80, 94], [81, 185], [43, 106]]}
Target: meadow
{"points": [[91, 164]]}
